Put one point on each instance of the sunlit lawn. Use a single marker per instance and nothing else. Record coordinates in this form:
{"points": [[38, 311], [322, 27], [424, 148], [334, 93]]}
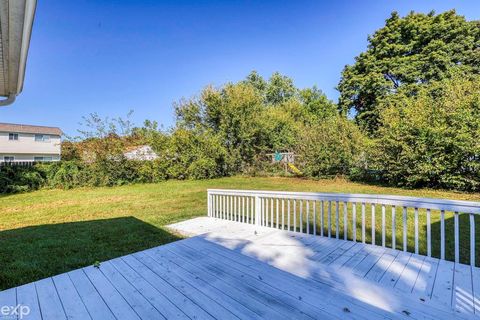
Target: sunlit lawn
{"points": [[52, 231]]}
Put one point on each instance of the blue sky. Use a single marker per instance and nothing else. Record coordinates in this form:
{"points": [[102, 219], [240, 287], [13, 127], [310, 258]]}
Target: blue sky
{"points": [[110, 57]]}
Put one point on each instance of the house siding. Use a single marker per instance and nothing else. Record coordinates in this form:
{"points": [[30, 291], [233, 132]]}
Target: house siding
{"points": [[26, 148]]}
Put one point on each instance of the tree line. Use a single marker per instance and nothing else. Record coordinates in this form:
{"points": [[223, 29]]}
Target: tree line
{"points": [[408, 115]]}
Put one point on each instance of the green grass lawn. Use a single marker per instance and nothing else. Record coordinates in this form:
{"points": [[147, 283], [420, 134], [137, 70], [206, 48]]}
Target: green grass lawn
{"points": [[47, 232]]}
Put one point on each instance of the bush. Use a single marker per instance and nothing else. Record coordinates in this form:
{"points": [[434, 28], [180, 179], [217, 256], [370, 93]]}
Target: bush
{"points": [[151, 171], [62, 174], [331, 147], [202, 169], [432, 138], [19, 179], [194, 155]]}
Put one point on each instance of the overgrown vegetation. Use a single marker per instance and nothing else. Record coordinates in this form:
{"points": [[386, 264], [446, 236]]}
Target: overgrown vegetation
{"points": [[413, 98]]}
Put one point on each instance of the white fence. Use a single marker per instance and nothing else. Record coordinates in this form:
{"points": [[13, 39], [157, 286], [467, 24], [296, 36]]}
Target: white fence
{"points": [[336, 214]]}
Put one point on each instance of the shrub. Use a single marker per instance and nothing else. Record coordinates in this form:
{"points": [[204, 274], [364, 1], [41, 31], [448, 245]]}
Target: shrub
{"points": [[62, 174], [432, 138], [202, 169], [19, 179], [330, 147]]}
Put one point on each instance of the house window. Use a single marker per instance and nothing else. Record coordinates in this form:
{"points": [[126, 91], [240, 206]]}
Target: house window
{"points": [[42, 137], [13, 136], [40, 159], [9, 158]]}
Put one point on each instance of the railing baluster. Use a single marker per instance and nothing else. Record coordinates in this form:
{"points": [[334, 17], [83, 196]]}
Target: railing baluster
{"points": [[235, 213], [283, 214], [345, 222], [262, 219], [223, 201], [457, 239], [329, 219], [246, 209], [243, 209], [373, 223], [354, 221], [214, 206], [295, 215], [307, 216], [288, 215], [429, 235], [442, 234], [278, 221], [472, 240], [322, 209], [315, 217], [383, 225], [416, 230], [267, 215], [221, 207], [363, 222], [258, 211], [238, 209], [265, 212], [227, 207], [235, 208], [271, 212], [405, 229], [301, 216], [394, 229], [337, 224]]}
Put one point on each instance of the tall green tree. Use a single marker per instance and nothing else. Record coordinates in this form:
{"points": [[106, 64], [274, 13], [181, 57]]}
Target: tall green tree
{"points": [[408, 51], [254, 116], [432, 138]]}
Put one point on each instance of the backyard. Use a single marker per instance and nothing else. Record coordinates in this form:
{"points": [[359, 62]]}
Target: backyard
{"points": [[47, 232]]}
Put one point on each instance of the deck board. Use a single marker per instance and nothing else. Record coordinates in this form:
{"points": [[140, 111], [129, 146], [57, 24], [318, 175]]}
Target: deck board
{"points": [[71, 301], [27, 296], [231, 270], [92, 300]]}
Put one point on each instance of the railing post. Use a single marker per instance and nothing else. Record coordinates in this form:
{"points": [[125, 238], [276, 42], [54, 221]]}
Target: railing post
{"points": [[258, 208], [209, 203]]}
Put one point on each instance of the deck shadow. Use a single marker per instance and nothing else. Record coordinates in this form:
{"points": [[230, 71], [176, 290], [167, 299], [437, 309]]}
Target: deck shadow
{"points": [[32, 253]]}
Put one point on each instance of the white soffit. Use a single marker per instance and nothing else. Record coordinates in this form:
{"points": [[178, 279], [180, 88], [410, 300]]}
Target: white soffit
{"points": [[16, 20]]}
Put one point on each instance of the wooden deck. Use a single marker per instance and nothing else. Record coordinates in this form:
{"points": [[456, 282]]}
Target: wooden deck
{"points": [[231, 270]]}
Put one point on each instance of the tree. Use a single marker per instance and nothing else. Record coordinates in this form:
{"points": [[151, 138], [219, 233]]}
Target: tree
{"points": [[432, 138], [332, 146], [254, 116], [279, 89], [409, 51]]}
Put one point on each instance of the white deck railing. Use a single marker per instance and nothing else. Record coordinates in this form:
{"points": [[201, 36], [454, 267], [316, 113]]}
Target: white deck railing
{"points": [[312, 213]]}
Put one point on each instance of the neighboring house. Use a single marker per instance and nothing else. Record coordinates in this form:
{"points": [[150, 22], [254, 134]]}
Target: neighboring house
{"points": [[142, 153], [26, 143]]}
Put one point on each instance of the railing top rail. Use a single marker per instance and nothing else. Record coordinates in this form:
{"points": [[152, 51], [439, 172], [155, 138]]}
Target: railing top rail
{"points": [[400, 201]]}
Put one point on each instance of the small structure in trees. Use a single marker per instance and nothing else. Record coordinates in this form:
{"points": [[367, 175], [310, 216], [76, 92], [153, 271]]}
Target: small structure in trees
{"points": [[287, 159], [282, 157], [141, 153]]}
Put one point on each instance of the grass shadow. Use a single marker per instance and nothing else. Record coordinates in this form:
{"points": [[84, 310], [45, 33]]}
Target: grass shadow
{"points": [[33, 253]]}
